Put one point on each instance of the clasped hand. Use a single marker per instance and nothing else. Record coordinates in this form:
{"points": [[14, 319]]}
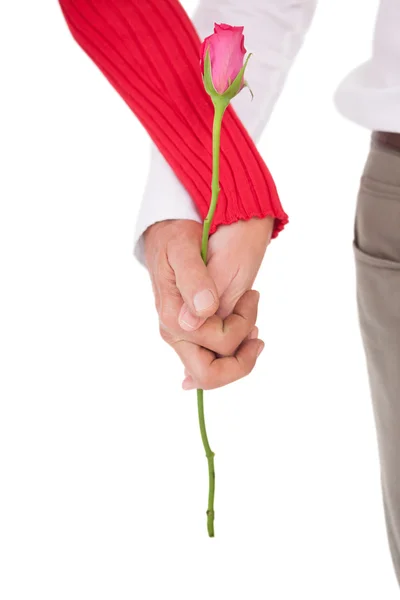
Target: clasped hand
{"points": [[208, 313]]}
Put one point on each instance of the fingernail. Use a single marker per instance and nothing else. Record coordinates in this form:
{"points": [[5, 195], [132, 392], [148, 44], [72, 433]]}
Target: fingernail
{"points": [[187, 321], [203, 300], [253, 334], [188, 384], [261, 348]]}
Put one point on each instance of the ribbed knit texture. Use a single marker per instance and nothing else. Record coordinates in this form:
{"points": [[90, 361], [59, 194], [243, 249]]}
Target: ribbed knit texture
{"points": [[149, 51]]}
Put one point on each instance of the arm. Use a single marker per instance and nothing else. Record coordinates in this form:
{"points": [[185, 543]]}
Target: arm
{"points": [[274, 32], [108, 32], [149, 51]]}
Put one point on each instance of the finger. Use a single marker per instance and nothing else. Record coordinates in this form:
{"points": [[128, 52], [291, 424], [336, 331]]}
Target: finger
{"points": [[193, 280], [235, 255], [243, 319], [209, 372], [188, 321], [169, 300], [174, 317], [253, 335], [188, 383], [224, 337], [163, 243]]}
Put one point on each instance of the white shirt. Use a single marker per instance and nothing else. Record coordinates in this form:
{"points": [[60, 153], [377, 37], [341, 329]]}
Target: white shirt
{"points": [[275, 31]]}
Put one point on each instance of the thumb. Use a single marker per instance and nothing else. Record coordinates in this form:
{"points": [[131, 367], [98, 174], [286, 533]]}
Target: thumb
{"points": [[193, 281]]}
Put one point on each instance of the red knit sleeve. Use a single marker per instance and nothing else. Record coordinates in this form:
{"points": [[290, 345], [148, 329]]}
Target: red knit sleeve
{"points": [[149, 51]]}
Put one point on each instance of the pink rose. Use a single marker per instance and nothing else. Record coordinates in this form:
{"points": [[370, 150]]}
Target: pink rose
{"points": [[226, 47]]}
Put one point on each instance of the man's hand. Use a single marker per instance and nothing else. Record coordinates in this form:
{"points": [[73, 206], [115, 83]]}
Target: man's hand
{"points": [[208, 314]]}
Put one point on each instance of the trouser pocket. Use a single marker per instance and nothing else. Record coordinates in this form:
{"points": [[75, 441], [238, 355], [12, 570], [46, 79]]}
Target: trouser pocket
{"points": [[377, 222]]}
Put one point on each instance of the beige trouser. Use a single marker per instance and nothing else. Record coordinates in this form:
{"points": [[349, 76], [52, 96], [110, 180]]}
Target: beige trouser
{"points": [[377, 255]]}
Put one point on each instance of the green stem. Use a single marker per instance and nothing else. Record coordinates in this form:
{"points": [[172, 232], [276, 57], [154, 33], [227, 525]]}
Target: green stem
{"points": [[210, 460], [218, 115], [216, 143]]}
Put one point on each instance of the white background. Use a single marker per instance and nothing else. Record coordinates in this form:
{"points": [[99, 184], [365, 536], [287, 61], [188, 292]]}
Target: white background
{"points": [[102, 473]]}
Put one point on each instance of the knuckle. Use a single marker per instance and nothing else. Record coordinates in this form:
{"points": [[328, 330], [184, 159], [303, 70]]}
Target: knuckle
{"points": [[168, 335], [165, 334], [247, 368]]}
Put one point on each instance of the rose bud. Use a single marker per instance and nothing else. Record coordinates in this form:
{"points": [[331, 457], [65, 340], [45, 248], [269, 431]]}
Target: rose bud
{"points": [[222, 56]]}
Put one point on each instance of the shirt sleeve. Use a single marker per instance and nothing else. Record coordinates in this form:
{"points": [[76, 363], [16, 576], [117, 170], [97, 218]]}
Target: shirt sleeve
{"points": [[274, 33]]}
